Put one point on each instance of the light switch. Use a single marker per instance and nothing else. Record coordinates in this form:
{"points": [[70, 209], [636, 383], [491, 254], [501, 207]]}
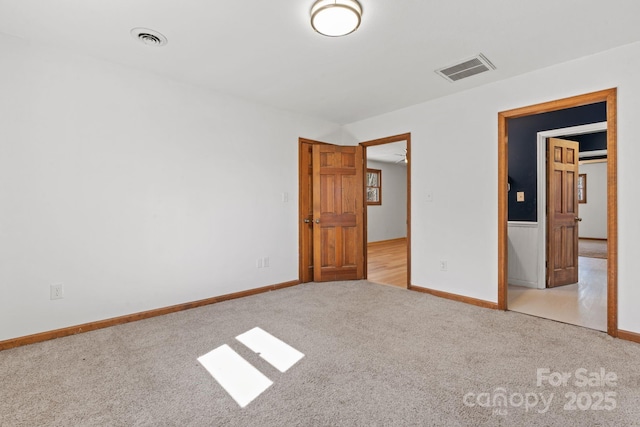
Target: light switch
{"points": [[520, 196]]}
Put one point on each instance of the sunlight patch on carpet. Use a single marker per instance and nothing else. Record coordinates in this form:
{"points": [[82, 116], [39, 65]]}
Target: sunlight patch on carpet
{"points": [[278, 353], [238, 377]]}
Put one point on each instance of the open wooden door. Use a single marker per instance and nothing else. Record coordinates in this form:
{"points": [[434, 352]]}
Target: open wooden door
{"points": [[562, 212], [338, 213], [306, 211]]}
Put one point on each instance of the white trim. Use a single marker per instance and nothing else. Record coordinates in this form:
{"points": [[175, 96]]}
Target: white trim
{"points": [[589, 161], [542, 188], [524, 283], [592, 153]]}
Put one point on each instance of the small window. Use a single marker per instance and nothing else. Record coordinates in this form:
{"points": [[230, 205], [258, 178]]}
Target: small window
{"points": [[582, 188], [374, 187]]}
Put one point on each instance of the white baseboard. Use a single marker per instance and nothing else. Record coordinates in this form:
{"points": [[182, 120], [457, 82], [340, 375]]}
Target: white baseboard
{"points": [[525, 283]]}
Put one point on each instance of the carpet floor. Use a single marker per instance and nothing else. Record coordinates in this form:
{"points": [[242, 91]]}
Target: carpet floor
{"points": [[592, 248], [374, 355]]}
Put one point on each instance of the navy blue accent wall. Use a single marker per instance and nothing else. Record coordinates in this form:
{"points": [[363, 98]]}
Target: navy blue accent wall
{"points": [[522, 134], [590, 141]]}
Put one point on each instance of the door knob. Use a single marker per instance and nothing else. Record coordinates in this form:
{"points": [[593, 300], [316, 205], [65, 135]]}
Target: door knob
{"points": [[578, 219], [318, 221], [307, 220]]}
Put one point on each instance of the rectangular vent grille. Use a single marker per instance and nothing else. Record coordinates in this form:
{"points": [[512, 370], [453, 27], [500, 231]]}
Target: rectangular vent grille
{"points": [[467, 68]]}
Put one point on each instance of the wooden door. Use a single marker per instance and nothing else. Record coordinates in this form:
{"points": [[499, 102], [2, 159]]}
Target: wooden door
{"points": [[338, 213], [562, 212]]}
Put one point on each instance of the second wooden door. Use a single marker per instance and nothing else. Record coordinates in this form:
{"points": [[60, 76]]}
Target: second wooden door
{"points": [[338, 213], [562, 212]]}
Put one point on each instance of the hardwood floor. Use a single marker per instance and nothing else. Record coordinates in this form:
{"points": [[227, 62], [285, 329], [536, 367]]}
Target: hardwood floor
{"points": [[387, 262], [583, 304]]}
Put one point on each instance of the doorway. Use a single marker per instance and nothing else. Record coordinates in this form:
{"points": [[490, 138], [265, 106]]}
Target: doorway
{"points": [[306, 211], [386, 210], [583, 302], [609, 97], [388, 253]]}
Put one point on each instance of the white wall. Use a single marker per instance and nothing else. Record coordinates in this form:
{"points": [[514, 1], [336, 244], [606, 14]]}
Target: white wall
{"points": [[454, 157], [389, 220], [138, 192], [594, 212], [135, 191]]}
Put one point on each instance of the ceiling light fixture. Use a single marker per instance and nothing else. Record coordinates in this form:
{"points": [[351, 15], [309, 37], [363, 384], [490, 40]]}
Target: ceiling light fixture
{"points": [[336, 18]]}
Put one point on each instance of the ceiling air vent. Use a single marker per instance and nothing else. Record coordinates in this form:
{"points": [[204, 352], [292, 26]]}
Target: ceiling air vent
{"points": [[148, 37], [467, 68]]}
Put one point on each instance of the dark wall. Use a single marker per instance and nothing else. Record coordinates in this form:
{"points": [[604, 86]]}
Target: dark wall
{"points": [[522, 134], [590, 141]]}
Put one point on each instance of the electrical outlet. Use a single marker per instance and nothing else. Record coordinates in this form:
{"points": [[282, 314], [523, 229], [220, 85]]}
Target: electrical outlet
{"points": [[259, 263], [265, 262], [56, 291], [443, 265]]}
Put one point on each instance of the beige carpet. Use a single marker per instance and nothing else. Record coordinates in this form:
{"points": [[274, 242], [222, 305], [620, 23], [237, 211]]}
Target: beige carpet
{"points": [[374, 355], [592, 248]]}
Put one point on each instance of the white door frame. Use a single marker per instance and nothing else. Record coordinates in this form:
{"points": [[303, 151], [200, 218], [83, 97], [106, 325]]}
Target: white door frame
{"points": [[542, 187]]}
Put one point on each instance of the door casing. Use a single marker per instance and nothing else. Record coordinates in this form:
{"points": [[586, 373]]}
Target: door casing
{"points": [[610, 97]]}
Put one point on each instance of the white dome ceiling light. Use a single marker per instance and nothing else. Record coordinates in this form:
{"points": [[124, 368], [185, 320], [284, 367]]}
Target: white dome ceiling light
{"points": [[335, 18], [149, 37]]}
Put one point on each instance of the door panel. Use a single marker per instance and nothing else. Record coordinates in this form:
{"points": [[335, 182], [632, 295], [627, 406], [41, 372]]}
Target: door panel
{"points": [[562, 215], [338, 213], [349, 238]]}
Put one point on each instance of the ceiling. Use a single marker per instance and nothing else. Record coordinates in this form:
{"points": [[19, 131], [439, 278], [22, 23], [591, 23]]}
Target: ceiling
{"points": [[266, 51], [393, 152]]}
